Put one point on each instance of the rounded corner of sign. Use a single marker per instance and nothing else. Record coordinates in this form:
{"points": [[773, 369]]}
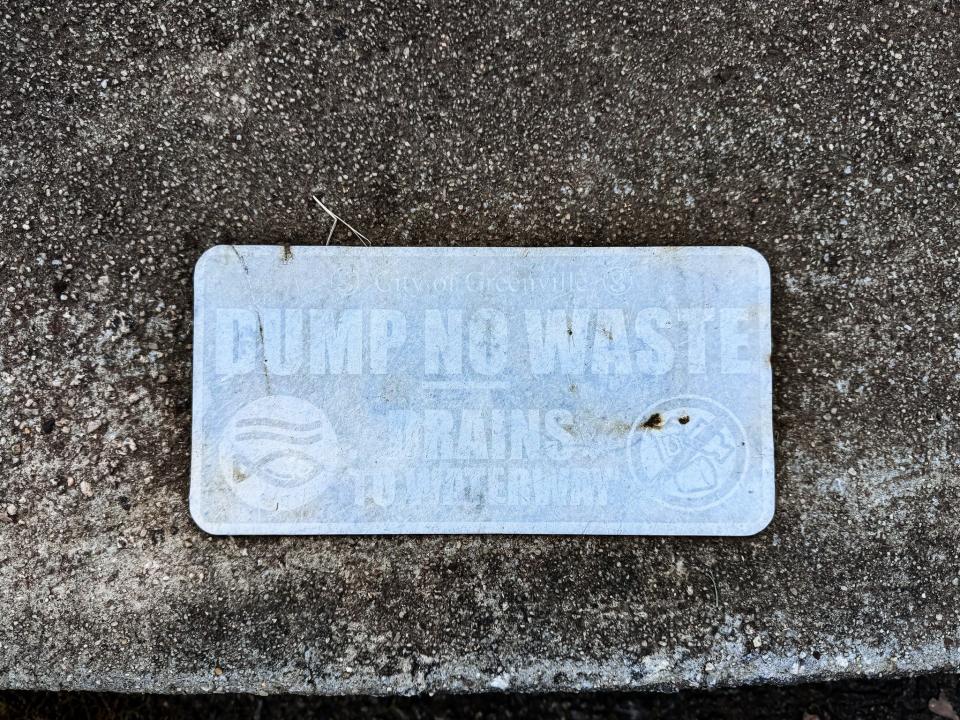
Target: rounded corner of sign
{"points": [[204, 523], [758, 258], [762, 521], [209, 256]]}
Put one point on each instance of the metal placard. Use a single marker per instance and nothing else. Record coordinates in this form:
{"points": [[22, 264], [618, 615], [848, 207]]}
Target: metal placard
{"points": [[360, 390]]}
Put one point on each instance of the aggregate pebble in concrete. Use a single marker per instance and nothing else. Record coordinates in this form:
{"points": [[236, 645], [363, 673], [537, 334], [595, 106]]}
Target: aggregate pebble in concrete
{"points": [[135, 135]]}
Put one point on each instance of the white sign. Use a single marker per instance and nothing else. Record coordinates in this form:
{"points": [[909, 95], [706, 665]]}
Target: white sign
{"points": [[482, 390]]}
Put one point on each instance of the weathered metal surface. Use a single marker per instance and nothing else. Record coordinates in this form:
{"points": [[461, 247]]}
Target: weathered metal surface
{"points": [[581, 391]]}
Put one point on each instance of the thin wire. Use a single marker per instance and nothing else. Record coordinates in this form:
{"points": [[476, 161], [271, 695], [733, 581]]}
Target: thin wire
{"points": [[337, 218]]}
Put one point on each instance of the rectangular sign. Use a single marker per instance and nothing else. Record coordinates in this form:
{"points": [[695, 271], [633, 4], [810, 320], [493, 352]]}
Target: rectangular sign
{"points": [[358, 390]]}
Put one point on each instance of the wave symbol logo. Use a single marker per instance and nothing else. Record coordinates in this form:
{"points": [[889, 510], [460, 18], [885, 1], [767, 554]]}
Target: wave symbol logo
{"points": [[278, 452]]}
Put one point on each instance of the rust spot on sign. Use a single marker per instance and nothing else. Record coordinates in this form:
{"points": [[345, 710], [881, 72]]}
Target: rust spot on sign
{"points": [[654, 422]]}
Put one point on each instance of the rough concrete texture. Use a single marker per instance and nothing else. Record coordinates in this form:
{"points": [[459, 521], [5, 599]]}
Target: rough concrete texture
{"points": [[135, 135], [925, 697]]}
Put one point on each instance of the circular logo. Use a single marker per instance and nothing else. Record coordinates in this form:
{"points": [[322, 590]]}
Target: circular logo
{"points": [[346, 280], [277, 453], [617, 280], [689, 452]]}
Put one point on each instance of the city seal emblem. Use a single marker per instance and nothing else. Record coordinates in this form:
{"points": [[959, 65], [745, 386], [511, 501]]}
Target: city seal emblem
{"points": [[278, 453], [688, 452]]}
